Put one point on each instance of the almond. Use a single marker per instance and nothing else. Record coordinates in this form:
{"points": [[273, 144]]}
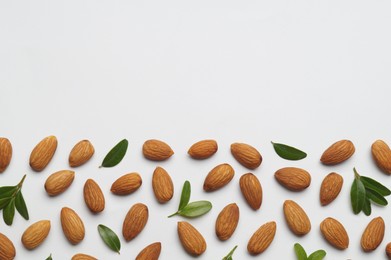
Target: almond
{"points": [[330, 188], [251, 189], [162, 185], [262, 238], [246, 155], [227, 221], [373, 234], [192, 240], [293, 178], [43, 153], [81, 153], [7, 249], [5, 153], [388, 250], [135, 221], [203, 149], [93, 196], [156, 150], [338, 152], [36, 234], [83, 257], [218, 177], [296, 218], [58, 182], [72, 226], [151, 252], [126, 184], [334, 232], [381, 153]]}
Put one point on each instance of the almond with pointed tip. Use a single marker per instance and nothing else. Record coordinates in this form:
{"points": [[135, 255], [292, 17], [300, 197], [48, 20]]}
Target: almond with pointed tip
{"points": [[35, 234], [43, 153], [156, 150], [330, 188], [292, 178], [203, 149], [381, 154], [262, 238], [81, 153], [151, 252], [218, 177], [335, 233], [338, 152], [251, 189], [162, 185], [227, 221], [373, 234], [246, 155], [5, 153], [191, 239], [296, 218], [93, 196], [59, 182], [72, 225], [126, 184], [83, 257], [135, 221], [7, 249]]}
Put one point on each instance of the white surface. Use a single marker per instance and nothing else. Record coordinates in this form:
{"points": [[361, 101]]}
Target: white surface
{"points": [[305, 73]]}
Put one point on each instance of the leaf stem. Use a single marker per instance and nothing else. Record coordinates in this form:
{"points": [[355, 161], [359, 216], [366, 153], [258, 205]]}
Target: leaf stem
{"points": [[356, 175], [230, 253], [20, 184], [176, 213]]}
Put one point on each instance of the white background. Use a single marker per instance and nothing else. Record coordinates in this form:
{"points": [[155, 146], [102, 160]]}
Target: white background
{"points": [[305, 73]]}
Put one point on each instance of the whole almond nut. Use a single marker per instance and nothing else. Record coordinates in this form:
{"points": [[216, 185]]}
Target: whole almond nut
{"points": [[227, 221], [135, 221], [156, 150], [246, 155], [338, 152], [93, 196], [335, 233], [59, 182], [218, 177], [251, 189], [7, 249], [151, 252], [203, 149], [126, 184], [381, 154], [83, 257], [293, 178], [388, 250], [36, 234], [192, 240], [330, 188], [373, 234], [262, 238], [43, 153], [81, 153], [72, 226], [162, 185], [5, 153], [296, 218]]}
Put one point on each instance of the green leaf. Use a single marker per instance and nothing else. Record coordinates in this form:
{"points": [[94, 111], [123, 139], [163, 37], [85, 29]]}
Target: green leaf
{"points": [[4, 202], [20, 205], [49, 257], [110, 238], [317, 255], [376, 197], [367, 207], [9, 212], [116, 154], [357, 195], [375, 186], [7, 191], [185, 196], [229, 256], [300, 252], [288, 152], [196, 209]]}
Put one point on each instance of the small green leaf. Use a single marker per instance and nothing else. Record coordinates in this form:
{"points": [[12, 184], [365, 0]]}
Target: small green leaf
{"points": [[20, 205], [7, 191], [4, 202], [110, 238], [317, 255], [288, 152], [300, 252], [196, 209], [49, 257], [185, 196], [375, 186], [376, 197], [116, 154], [229, 256], [357, 195], [9, 212], [367, 207]]}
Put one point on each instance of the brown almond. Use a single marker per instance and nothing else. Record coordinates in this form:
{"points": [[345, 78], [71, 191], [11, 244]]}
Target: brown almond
{"points": [[156, 150], [246, 155], [203, 149], [335, 233], [81, 153], [296, 218], [192, 240], [218, 177], [7, 249], [388, 250], [126, 184], [227, 221], [36, 234], [43, 153], [135, 221], [151, 252], [330, 188], [292, 178], [381, 154], [5, 153], [338, 152], [373, 235], [83, 257], [72, 226], [251, 189], [59, 182], [93, 196], [262, 238], [162, 185]]}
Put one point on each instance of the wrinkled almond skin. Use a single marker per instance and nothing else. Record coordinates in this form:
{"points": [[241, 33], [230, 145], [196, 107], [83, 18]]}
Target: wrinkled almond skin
{"points": [[126, 184], [7, 249], [381, 154], [335, 233], [338, 152], [151, 252], [59, 182], [246, 155], [251, 189], [43, 153], [296, 218], [162, 185], [292, 178], [373, 235], [192, 240], [72, 226], [93, 196], [203, 149], [35, 234], [5, 153], [83, 257], [227, 221], [218, 177], [81, 153], [135, 221], [330, 188], [388, 250], [262, 238], [156, 150]]}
